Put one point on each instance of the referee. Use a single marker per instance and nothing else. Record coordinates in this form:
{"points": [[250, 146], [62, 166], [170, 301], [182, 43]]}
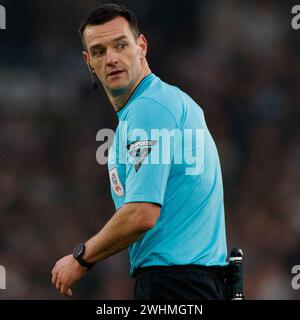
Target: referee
{"points": [[169, 214]]}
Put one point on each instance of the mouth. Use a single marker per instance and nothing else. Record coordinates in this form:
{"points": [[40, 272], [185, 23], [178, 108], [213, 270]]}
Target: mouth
{"points": [[115, 73]]}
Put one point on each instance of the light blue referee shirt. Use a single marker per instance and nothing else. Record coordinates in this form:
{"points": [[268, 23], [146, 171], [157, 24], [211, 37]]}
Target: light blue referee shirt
{"points": [[163, 153]]}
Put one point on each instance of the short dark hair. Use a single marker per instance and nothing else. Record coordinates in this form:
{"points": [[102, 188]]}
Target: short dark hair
{"points": [[107, 12]]}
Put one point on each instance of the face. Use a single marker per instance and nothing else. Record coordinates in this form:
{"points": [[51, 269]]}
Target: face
{"points": [[114, 54]]}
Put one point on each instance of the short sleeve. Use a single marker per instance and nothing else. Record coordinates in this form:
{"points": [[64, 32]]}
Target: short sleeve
{"points": [[149, 151]]}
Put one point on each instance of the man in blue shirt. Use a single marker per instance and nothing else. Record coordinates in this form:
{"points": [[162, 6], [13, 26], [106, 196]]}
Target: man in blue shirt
{"points": [[164, 170]]}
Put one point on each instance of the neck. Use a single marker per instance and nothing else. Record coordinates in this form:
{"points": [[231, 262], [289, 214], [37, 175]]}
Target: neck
{"points": [[120, 100]]}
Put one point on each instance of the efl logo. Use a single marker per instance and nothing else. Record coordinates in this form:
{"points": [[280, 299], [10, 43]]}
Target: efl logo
{"points": [[296, 278], [296, 19], [2, 278], [2, 18]]}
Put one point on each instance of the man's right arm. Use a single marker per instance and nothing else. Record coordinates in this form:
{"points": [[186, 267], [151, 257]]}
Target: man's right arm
{"points": [[127, 225]]}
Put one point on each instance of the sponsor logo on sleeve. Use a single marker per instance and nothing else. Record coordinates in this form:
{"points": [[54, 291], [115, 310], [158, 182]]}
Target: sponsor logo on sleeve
{"points": [[139, 151]]}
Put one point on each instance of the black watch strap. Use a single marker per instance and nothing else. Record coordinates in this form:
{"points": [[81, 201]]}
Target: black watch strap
{"points": [[78, 253]]}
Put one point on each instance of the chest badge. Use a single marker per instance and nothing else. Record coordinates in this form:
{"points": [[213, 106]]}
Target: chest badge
{"points": [[115, 182]]}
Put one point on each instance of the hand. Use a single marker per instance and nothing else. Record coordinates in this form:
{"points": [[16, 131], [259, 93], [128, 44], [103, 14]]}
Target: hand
{"points": [[65, 273]]}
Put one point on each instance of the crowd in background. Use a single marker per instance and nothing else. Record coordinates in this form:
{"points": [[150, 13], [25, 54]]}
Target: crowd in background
{"points": [[239, 60]]}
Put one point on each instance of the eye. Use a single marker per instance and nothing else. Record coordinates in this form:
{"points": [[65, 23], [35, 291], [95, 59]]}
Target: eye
{"points": [[98, 52], [122, 45]]}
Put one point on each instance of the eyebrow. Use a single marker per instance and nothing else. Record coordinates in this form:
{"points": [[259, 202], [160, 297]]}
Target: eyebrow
{"points": [[100, 45]]}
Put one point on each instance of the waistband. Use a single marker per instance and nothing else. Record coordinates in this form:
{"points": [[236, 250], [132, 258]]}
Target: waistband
{"points": [[218, 270]]}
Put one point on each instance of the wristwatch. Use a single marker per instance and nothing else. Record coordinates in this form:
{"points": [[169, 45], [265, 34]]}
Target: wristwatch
{"points": [[78, 253]]}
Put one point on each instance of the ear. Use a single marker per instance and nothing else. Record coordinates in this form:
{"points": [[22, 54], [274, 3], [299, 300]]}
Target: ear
{"points": [[86, 59], [143, 45]]}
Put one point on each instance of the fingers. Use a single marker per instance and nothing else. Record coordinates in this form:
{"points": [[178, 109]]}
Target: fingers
{"points": [[64, 274], [66, 291], [63, 288], [54, 274], [54, 269], [70, 293], [58, 285], [54, 278]]}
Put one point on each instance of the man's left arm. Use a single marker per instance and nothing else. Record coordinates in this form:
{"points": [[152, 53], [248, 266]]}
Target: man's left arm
{"points": [[126, 226]]}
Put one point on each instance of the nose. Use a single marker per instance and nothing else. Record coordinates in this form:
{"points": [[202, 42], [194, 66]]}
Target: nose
{"points": [[111, 57]]}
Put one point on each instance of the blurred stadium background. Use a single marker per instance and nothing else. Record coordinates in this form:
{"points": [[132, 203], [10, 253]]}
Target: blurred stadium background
{"points": [[238, 59]]}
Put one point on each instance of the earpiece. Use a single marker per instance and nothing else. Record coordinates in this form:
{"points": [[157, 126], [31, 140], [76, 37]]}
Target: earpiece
{"points": [[94, 77]]}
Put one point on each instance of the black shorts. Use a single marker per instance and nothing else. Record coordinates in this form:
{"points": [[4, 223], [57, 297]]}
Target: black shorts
{"points": [[189, 282]]}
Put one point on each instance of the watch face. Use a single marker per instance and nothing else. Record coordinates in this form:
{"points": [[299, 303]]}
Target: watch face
{"points": [[78, 250]]}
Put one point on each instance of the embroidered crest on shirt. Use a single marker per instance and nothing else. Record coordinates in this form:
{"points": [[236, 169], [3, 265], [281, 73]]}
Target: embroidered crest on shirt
{"points": [[115, 182], [139, 151]]}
